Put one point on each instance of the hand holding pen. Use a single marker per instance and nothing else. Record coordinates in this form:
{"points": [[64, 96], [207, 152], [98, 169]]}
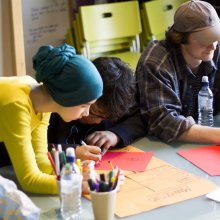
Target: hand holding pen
{"points": [[103, 149], [88, 152]]}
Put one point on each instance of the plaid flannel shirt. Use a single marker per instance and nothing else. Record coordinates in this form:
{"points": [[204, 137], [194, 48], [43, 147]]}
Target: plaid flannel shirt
{"points": [[168, 99]]}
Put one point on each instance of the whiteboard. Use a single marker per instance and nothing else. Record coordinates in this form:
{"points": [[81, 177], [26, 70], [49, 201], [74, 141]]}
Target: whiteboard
{"points": [[44, 22]]}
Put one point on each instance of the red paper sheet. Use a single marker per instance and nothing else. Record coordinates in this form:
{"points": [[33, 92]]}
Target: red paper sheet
{"points": [[131, 161], [206, 158]]}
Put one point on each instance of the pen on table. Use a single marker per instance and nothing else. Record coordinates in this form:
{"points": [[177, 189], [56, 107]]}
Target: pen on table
{"points": [[117, 177], [112, 167], [79, 165], [63, 158], [102, 177], [83, 143], [54, 146], [103, 187], [91, 184], [60, 151], [110, 185], [111, 172], [104, 150], [110, 176], [57, 162], [51, 161], [52, 153]]}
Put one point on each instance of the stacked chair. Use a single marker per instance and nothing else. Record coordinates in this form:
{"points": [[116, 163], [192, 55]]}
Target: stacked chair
{"points": [[157, 16], [110, 29], [120, 29]]}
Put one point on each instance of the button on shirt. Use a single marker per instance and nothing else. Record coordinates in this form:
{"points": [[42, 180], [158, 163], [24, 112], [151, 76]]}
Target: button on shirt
{"points": [[168, 89]]}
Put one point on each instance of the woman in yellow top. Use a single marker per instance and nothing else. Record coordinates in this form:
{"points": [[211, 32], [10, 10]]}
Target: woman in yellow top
{"points": [[67, 84]]}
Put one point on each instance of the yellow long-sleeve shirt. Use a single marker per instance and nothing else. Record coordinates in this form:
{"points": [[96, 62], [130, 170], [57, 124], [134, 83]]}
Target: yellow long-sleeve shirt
{"points": [[24, 134]]}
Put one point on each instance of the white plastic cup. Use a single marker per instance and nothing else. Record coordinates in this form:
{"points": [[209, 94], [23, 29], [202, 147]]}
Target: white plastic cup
{"points": [[103, 204]]}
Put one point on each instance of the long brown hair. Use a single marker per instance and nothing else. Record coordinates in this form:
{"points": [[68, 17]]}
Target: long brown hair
{"points": [[175, 37]]}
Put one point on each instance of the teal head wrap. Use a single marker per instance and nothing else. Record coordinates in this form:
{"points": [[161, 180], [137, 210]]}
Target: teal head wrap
{"points": [[69, 78]]}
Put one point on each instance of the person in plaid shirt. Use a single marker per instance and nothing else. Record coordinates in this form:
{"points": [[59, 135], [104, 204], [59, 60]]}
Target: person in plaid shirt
{"points": [[169, 75]]}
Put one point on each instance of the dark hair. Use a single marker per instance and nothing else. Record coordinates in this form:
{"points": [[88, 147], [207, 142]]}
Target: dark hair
{"points": [[119, 89], [175, 37]]}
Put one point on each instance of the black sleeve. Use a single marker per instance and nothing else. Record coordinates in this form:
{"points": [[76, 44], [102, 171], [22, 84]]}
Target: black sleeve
{"points": [[58, 129], [130, 128]]}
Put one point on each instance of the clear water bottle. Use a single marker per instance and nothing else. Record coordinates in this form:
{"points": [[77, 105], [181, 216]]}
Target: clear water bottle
{"points": [[205, 104], [70, 193], [71, 159]]}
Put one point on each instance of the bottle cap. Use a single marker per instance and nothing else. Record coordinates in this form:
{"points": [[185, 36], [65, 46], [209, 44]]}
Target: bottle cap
{"points": [[70, 155], [205, 79], [70, 151]]}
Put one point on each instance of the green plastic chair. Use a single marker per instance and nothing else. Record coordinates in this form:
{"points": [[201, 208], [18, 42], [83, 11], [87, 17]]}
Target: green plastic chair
{"points": [[157, 16], [110, 30]]}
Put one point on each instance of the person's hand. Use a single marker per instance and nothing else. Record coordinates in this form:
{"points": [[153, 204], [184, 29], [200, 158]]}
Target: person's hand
{"points": [[88, 152], [104, 139]]}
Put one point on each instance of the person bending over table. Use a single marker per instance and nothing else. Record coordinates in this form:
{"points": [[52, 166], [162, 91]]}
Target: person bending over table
{"points": [[66, 84], [113, 121], [169, 75]]}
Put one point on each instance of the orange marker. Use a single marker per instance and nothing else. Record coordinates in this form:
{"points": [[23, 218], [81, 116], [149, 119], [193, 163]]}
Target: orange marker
{"points": [[111, 164]]}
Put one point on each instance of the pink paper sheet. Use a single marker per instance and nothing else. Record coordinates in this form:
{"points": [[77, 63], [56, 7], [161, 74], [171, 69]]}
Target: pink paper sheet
{"points": [[131, 161], [206, 158]]}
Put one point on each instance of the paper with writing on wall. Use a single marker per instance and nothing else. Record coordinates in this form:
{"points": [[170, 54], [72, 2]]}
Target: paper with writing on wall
{"points": [[202, 156], [44, 22], [159, 185]]}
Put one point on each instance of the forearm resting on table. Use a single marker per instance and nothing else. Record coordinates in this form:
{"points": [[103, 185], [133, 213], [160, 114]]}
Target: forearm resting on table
{"points": [[198, 133]]}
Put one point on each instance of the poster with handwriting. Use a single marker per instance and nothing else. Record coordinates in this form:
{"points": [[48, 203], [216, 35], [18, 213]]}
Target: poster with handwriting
{"points": [[45, 22]]}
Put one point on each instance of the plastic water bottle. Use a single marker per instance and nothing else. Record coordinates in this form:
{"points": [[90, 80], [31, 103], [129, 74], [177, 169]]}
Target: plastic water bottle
{"points": [[71, 159], [70, 193], [205, 104]]}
